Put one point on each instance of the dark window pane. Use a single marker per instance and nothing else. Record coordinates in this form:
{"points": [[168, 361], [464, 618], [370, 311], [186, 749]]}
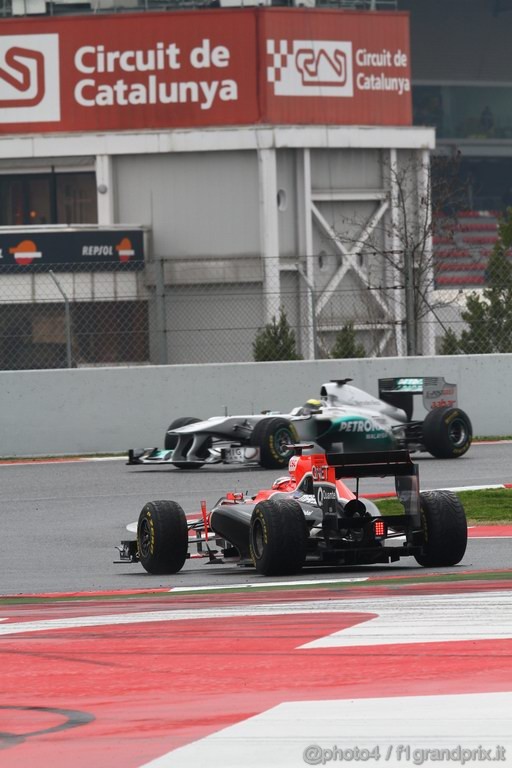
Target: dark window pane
{"points": [[38, 198], [57, 198], [464, 112], [76, 198], [12, 209]]}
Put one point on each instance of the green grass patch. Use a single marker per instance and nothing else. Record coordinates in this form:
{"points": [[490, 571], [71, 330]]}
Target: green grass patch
{"points": [[490, 506], [375, 582]]}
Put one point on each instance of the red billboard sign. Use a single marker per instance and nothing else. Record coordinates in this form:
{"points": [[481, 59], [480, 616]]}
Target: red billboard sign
{"points": [[335, 67], [204, 68]]}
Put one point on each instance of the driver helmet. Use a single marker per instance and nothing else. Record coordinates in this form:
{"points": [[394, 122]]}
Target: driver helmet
{"points": [[312, 406], [281, 481]]}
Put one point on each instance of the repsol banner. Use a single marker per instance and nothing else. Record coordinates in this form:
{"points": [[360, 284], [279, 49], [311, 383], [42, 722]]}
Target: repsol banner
{"points": [[204, 68], [75, 250]]}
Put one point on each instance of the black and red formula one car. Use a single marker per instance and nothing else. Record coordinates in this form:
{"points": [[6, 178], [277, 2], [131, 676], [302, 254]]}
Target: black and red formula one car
{"points": [[310, 517]]}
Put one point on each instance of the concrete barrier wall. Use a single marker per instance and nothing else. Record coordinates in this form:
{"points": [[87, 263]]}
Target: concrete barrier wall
{"points": [[106, 410]]}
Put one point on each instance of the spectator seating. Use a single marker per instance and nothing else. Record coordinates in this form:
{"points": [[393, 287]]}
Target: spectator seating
{"points": [[462, 246]]}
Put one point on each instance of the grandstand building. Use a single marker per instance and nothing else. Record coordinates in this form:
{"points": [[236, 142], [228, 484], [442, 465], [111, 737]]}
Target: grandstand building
{"points": [[186, 170], [461, 63]]}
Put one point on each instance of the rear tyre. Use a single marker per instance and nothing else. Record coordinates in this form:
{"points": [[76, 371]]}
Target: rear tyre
{"points": [[272, 435], [445, 530], [447, 432], [278, 537], [162, 537]]}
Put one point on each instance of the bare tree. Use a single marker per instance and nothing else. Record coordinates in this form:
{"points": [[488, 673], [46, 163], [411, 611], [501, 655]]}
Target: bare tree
{"points": [[422, 200]]}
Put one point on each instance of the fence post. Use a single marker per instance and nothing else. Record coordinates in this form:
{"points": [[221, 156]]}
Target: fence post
{"points": [[67, 320], [160, 313], [312, 319]]}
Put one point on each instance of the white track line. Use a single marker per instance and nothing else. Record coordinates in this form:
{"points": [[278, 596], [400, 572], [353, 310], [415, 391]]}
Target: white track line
{"points": [[265, 584], [397, 619]]}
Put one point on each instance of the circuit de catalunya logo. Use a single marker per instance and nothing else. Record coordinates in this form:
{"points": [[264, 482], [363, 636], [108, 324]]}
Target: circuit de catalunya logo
{"points": [[310, 67], [29, 78]]}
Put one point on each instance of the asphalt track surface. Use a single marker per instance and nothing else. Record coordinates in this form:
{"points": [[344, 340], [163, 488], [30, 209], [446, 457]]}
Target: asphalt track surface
{"points": [[61, 521], [396, 666]]}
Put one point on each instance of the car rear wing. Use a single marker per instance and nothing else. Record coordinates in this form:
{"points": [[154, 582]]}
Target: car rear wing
{"points": [[399, 391], [374, 464], [395, 464]]}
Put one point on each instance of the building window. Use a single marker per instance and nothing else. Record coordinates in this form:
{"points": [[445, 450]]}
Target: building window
{"points": [[48, 198], [76, 198], [463, 111]]}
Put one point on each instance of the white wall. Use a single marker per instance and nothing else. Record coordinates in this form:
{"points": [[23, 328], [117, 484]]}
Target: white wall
{"points": [[113, 409]]}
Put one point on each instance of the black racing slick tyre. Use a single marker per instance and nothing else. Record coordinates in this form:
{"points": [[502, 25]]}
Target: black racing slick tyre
{"points": [[171, 440], [447, 432], [273, 435], [278, 537], [445, 530], [162, 537]]}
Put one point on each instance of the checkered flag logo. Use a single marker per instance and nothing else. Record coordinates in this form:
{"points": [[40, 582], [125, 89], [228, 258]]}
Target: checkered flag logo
{"points": [[281, 54]]}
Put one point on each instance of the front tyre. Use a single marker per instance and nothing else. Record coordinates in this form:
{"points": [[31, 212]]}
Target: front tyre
{"points": [[447, 432], [162, 537], [278, 537], [445, 530], [273, 435]]}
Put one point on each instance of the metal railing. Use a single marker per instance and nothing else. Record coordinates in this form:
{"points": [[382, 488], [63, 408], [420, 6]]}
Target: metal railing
{"points": [[61, 7]]}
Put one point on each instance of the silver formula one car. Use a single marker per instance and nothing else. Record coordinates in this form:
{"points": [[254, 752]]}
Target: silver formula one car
{"points": [[344, 418]]}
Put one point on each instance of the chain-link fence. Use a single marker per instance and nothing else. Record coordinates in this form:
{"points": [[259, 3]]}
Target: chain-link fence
{"points": [[71, 318], [80, 317]]}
